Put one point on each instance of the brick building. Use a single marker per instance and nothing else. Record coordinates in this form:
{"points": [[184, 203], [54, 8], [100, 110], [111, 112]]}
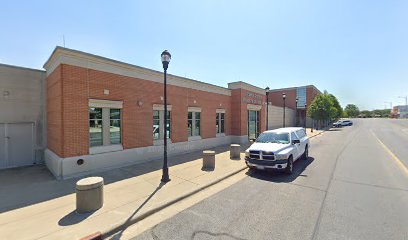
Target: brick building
{"points": [[103, 113], [93, 113], [297, 113]]}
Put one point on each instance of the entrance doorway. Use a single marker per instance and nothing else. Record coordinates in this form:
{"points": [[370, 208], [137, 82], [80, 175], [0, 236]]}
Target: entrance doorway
{"points": [[16, 144], [253, 124]]}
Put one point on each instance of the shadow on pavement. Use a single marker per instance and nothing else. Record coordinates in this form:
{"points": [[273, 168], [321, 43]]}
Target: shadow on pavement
{"points": [[73, 218], [277, 176], [119, 231], [21, 187]]}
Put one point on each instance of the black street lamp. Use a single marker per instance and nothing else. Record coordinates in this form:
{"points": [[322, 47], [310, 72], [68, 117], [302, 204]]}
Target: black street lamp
{"points": [[267, 107], [284, 106], [305, 114], [296, 112], [165, 58]]}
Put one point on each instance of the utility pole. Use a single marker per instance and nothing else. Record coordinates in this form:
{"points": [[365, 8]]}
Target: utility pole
{"points": [[406, 99]]}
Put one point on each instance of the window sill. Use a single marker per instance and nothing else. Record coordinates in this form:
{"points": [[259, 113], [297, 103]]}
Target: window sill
{"points": [[105, 149], [159, 142], [220, 135], [194, 138]]}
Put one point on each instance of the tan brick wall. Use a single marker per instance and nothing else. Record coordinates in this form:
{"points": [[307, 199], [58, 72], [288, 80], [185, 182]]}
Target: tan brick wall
{"points": [[80, 84]]}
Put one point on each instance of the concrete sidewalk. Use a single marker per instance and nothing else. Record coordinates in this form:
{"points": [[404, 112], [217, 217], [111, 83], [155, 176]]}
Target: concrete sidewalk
{"points": [[315, 132], [129, 193], [34, 205]]}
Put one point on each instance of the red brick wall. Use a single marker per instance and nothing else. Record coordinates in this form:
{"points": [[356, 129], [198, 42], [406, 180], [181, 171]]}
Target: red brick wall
{"points": [[240, 111], [311, 93], [275, 98], [54, 111], [80, 84], [236, 102]]}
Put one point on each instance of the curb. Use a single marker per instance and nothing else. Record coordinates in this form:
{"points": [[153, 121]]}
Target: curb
{"points": [[322, 131], [136, 219]]}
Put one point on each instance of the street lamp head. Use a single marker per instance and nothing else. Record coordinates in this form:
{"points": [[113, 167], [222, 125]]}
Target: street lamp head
{"points": [[267, 89], [284, 95], [165, 58]]}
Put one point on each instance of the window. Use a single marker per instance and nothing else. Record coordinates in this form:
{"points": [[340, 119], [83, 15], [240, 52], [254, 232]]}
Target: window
{"points": [[219, 123], [197, 124], [301, 133], [95, 127], [114, 128], [190, 123], [301, 95], [273, 137], [194, 123], [253, 124], [293, 136], [158, 124], [104, 126]]}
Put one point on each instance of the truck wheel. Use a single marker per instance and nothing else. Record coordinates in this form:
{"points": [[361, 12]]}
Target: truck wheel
{"points": [[289, 166], [306, 153]]}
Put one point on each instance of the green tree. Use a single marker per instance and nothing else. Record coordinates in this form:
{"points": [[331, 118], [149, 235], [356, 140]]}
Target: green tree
{"points": [[319, 109], [351, 110], [337, 112], [324, 108], [366, 113]]}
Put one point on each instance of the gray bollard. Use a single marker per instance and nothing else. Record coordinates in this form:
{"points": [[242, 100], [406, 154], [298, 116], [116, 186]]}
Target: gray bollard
{"points": [[208, 160], [89, 194], [235, 151]]}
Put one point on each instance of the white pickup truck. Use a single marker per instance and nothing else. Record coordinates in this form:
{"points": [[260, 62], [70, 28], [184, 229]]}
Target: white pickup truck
{"points": [[278, 149]]}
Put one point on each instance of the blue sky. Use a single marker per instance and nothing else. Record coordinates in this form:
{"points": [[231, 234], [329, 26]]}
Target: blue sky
{"points": [[357, 50]]}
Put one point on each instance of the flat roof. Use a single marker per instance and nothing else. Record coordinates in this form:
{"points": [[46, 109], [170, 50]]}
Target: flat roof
{"points": [[21, 68], [294, 88]]}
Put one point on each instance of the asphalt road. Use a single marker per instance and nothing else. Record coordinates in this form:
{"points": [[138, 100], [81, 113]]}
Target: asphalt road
{"points": [[351, 187]]}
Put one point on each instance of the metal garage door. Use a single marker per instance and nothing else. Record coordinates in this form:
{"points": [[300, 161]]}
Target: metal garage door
{"points": [[16, 144]]}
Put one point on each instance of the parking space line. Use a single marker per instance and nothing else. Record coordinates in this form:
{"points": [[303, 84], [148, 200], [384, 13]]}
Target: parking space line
{"points": [[396, 159]]}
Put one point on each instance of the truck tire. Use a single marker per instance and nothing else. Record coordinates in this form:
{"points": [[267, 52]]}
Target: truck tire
{"points": [[306, 153], [289, 166]]}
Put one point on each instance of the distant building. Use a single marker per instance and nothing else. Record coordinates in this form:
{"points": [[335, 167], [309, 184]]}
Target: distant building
{"points": [[296, 114], [399, 111]]}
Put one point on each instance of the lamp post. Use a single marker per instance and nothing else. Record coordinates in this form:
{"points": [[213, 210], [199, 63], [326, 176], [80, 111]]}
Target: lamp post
{"points": [[305, 114], [296, 112], [165, 58], [284, 106], [267, 107]]}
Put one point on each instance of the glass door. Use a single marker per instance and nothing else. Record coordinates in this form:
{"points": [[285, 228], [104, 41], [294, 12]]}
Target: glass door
{"points": [[253, 124]]}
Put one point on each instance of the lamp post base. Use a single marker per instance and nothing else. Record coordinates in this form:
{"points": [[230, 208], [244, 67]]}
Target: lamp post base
{"points": [[165, 178]]}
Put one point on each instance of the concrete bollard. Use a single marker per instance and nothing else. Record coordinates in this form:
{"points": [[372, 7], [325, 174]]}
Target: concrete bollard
{"points": [[235, 151], [208, 159], [89, 194]]}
